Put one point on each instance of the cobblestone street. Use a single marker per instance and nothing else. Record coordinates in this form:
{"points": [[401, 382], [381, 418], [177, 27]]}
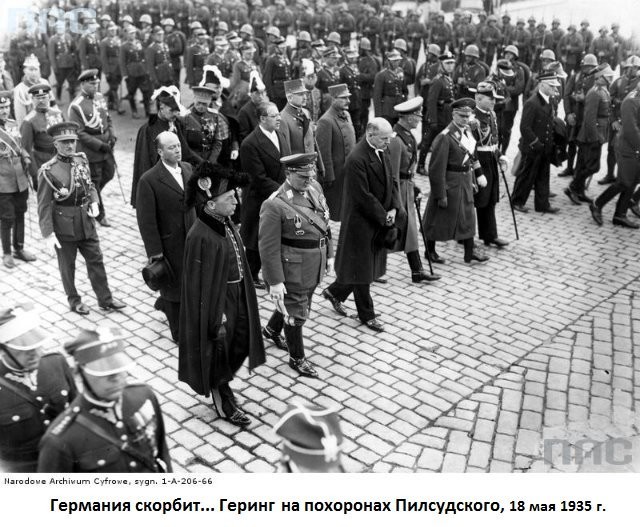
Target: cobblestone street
{"points": [[473, 372]]}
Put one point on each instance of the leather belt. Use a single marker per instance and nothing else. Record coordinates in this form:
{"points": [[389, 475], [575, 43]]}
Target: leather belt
{"points": [[492, 148], [305, 244], [458, 168]]}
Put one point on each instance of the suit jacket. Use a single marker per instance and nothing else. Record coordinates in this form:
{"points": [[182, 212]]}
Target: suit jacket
{"points": [[164, 220], [261, 160], [247, 120], [336, 140], [369, 193], [536, 127]]}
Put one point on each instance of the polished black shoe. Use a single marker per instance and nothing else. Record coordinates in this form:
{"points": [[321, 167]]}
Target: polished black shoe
{"points": [[551, 210], [374, 325], [476, 257], [380, 280], [607, 180], [337, 305], [258, 284], [567, 172], [104, 222], [623, 221], [573, 195], [596, 213], [520, 208], [497, 242], [303, 367], [435, 258], [235, 417], [114, 305], [276, 338], [23, 255], [635, 209], [422, 276], [81, 309]]}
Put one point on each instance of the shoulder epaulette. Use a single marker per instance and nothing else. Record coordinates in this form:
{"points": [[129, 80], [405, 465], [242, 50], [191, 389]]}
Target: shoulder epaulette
{"points": [[82, 155], [79, 98], [445, 131], [69, 417], [274, 194], [30, 115]]}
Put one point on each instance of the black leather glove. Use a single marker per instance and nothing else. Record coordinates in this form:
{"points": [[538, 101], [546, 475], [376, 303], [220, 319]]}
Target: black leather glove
{"points": [[104, 147]]}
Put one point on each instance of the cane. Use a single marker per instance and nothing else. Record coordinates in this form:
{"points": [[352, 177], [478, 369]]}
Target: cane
{"points": [[117, 172], [417, 200], [513, 214]]}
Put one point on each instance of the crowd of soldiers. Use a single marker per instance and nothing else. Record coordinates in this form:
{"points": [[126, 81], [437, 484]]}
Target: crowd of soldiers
{"points": [[282, 94]]}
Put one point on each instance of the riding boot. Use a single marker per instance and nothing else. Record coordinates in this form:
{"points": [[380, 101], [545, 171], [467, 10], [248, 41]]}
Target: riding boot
{"points": [[5, 235], [18, 232], [293, 334]]}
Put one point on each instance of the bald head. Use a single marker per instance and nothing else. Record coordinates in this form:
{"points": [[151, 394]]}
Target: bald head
{"points": [[379, 132], [169, 148]]}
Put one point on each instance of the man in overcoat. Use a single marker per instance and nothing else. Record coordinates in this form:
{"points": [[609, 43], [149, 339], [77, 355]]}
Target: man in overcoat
{"points": [[371, 204], [164, 219]]}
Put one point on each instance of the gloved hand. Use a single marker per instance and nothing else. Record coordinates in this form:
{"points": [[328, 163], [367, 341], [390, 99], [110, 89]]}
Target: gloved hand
{"points": [[617, 126], [443, 203], [277, 291], [94, 210], [482, 181], [504, 163], [234, 155], [52, 243], [330, 269], [105, 148], [571, 119]]}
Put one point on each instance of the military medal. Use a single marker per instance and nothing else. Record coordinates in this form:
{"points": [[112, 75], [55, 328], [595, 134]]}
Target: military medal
{"points": [[297, 222]]}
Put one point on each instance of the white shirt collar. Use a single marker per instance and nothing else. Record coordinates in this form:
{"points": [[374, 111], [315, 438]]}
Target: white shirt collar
{"points": [[176, 173], [545, 97]]}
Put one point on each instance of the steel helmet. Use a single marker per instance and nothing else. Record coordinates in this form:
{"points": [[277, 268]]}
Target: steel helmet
{"points": [[472, 51]]}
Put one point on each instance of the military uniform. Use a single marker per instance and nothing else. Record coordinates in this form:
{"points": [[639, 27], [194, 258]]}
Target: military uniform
{"points": [[619, 89], [194, 62], [277, 69], [467, 76], [89, 52], [439, 99], [29, 401], [389, 89], [96, 138], [350, 75], [159, 64], [368, 67], [133, 67], [62, 56], [65, 191], [96, 436], [205, 133], [110, 57], [177, 43]]}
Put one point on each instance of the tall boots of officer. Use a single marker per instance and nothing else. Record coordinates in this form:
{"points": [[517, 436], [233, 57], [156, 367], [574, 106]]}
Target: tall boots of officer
{"points": [[273, 330]]}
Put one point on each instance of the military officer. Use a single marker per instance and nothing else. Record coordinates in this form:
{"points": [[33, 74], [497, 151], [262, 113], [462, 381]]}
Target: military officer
{"points": [[110, 57], [201, 129], [34, 388], [277, 70], [89, 49], [33, 129], [96, 136], [243, 72], [112, 426], [282, 18], [416, 32], [195, 57], [221, 56], [67, 206], [177, 43], [62, 56], [368, 67], [485, 131], [570, 49], [158, 60], [296, 250], [296, 125], [328, 75], [14, 187], [522, 40], [134, 71], [453, 172], [468, 74], [403, 153], [424, 78], [389, 88], [350, 75]]}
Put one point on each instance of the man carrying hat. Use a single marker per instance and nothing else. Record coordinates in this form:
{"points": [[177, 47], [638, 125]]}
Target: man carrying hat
{"points": [[311, 439], [296, 250], [96, 136], [14, 187], [219, 319], [536, 146], [486, 132], [403, 153], [113, 426], [389, 88], [453, 173], [34, 388], [277, 70], [67, 207], [133, 68]]}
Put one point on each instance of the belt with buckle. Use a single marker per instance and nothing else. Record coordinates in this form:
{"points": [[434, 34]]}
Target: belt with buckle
{"points": [[305, 244], [490, 148]]}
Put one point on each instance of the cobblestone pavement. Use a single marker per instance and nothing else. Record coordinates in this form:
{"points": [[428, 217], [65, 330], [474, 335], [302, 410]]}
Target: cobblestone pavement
{"points": [[472, 374]]}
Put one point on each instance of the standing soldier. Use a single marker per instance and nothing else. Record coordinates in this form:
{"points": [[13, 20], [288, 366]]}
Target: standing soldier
{"points": [[95, 134], [62, 56], [439, 101], [541, 40], [110, 57], [416, 32], [441, 33], [134, 71], [603, 47], [593, 133], [486, 134], [350, 75], [111, 426], [158, 60], [322, 21], [67, 204], [512, 77], [368, 67], [22, 102], [571, 48], [468, 74], [33, 130], [372, 29], [557, 32], [403, 154], [177, 44], [295, 123], [407, 64], [282, 18], [426, 74], [587, 35], [345, 25], [195, 57], [490, 39], [522, 40], [328, 75], [389, 88], [89, 49], [259, 19], [34, 388], [618, 45], [453, 172], [14, 187], [296, 250], [508, 32], [146, 30], [277, 70], [201, 132], [244, 71]]}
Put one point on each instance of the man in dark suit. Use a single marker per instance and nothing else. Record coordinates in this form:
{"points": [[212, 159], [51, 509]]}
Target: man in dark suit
{"points": [[336, 139], [260, 155], [536, 146], [371, 204], [164, 219], [248, 114]]}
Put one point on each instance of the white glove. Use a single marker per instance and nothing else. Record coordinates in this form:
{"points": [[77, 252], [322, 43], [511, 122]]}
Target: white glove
{"points": [[234, 155], [330, 266], [52, 243], [277, 291], [94, 210], [504, 162], [482, 181]]}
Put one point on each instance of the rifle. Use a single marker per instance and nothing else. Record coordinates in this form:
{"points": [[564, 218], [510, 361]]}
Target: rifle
{"points": [[513, 214], [417, 201]]}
